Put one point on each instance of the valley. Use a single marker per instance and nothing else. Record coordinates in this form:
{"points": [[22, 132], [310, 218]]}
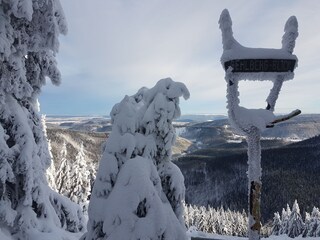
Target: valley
{"points": [[213, 159]]}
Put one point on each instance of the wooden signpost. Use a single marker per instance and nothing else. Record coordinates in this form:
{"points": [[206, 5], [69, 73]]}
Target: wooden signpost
{"points": [[261, 65], [242, 63]]}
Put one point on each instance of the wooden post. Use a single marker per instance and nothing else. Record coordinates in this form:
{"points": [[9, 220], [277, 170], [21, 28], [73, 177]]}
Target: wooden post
{"points": [[254, 181]]}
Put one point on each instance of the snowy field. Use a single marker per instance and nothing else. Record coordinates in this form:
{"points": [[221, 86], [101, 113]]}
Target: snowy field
{"points": [[196, 235], [192, 235]]}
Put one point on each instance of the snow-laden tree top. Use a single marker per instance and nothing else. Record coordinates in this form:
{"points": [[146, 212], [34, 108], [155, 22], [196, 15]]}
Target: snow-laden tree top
{"points": [[233, 50], [131, 111]]}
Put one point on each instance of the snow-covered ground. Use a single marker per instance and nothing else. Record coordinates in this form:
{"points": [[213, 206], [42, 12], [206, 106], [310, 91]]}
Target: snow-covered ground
{"points": [[191, 233], [57, 234], [63, 235]]}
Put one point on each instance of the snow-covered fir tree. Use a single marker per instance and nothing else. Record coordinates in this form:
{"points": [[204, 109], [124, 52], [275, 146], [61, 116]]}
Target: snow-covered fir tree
{"points": [[80, 180], [212, 216], [276, 224], [296, 224], [29, 32], [307, 222], [91, 166], [226, 222], [203, 219], [63, 178], [285, 220], [46, 149], [138, 191], [51, 170], [220, 221], [188, 215], [314, 225]]}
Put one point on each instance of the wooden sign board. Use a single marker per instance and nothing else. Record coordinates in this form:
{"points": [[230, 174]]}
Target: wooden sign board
{"points": [[261, 65]]}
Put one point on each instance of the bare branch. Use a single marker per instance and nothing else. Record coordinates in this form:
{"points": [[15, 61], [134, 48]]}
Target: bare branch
{"points": [[284, 118]]}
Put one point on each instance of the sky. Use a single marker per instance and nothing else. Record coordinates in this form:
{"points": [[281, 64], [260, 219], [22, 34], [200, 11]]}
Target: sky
{"points": [[115, 47]]}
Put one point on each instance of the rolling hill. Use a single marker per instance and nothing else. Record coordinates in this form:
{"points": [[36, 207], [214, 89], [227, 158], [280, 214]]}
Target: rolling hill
{"points": [[216, 161]]}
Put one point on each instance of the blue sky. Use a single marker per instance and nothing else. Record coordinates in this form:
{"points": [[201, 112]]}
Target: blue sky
{"points": [[114, 47]]}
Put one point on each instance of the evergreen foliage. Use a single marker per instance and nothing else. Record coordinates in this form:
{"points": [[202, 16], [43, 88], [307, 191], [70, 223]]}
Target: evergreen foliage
{"points": [[296, 224], [232, 223], [209, 174], [136, 172], [219, 221], [80, 185], [292, 224], [314, 225], [285, 220], [276, 224], [63, 178], [29, 33]]}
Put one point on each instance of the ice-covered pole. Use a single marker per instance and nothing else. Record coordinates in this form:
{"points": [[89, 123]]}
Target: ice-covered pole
{"points": [[254, 155], [252, 134]]}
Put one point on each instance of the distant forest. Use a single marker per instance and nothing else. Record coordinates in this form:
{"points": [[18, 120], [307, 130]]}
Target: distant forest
{"points": [[218, 178]]}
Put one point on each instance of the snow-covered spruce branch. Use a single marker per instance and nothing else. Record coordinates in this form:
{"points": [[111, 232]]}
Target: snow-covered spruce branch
{"points": [[29, 32]]}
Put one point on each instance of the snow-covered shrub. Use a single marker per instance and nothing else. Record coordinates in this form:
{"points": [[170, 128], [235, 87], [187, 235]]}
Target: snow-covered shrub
{"points": [[29, 32], [138, 191]]}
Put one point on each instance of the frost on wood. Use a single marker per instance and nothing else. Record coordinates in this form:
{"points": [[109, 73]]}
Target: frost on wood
{"points": [[241, 118], [138, 191], [232, 49], [251, 122], [28, 42]]}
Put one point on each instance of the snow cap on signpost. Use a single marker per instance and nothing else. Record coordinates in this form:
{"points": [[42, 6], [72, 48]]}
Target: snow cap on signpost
{"points": [[244, 63], [258, 63]]}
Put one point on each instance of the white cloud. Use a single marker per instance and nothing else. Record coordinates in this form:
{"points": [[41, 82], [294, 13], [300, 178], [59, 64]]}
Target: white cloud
{"points": [[115, 47]]}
